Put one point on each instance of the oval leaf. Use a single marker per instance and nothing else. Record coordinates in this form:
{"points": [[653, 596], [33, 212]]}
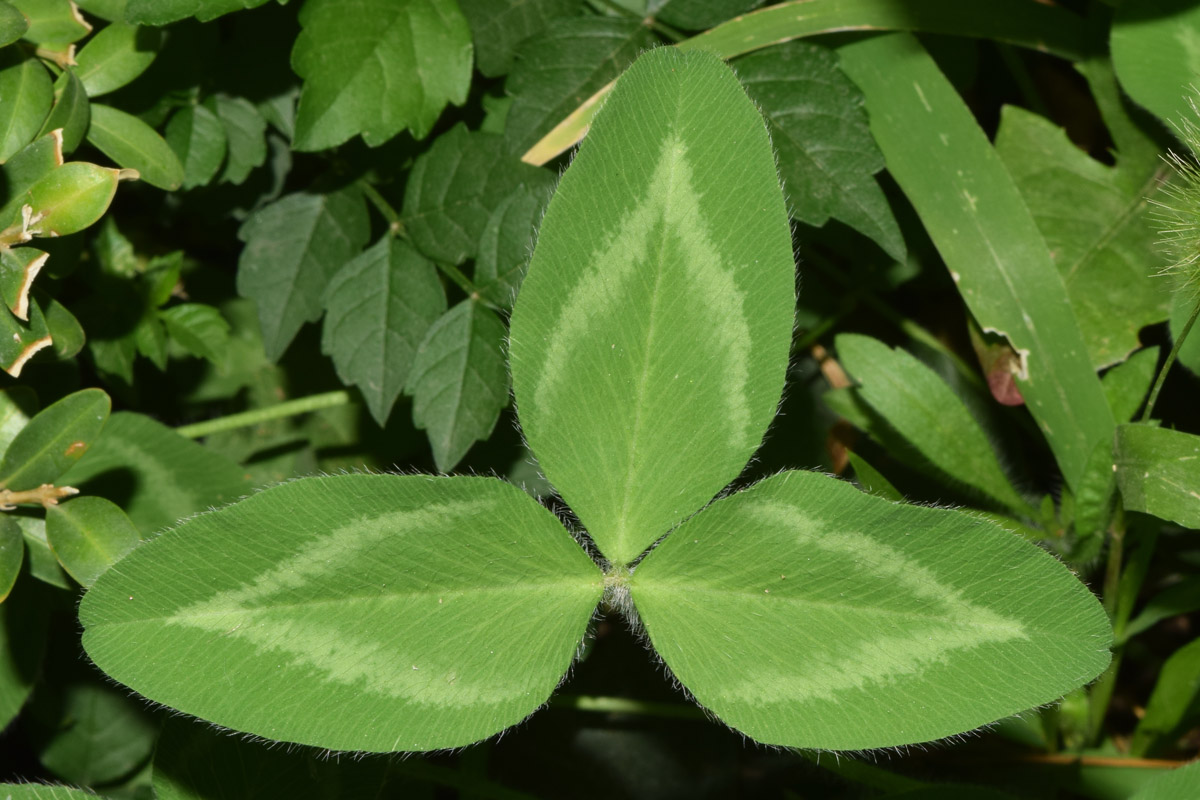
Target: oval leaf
{"points": [[134, 145], [88, 535], [71, 112], [115, 56], [358, 612], [12, 24], [198, 138], [805, 613], [27, 92], [53, 22], [651, 335], [12, 553], [70, 198], [54, 440]]}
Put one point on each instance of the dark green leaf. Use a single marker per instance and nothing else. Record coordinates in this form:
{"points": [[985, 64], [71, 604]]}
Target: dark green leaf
{"points": [[155, 474], [28, 92], [507, 244], [20, 341], [198, 138], [695, 15], [871, 481], [101, 734], [53, 22], [378, 309], [89, 535], [1182, 306], [198, 328], [454, 187], [376, 67], [54, 440], [160, 12], [134, 145], [42, 564], [1126, 385], [1178, 599], [71, 111], [107, 10], [116, 56], [23, 627], [498, 26], [12, 24], [565, 65], [826, 155], [66, 334], [1176, 784], [18, 267], [22, 171], [1173, 703], [293, 247], [245, 130], [18, 405], [1154, 45], [1158, 471], [459, 382], [12, 554]]}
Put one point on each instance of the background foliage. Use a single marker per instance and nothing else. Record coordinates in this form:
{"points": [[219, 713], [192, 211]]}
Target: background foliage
{"points": [[294, 232]]}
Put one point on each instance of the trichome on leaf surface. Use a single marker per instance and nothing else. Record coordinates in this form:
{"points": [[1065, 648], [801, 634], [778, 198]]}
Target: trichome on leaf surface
{"points": [[977, 328]]}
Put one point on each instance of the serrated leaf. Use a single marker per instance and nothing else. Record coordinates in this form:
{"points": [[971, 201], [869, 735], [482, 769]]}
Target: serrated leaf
{"points": [[377, 67], [924, 410], [198, 139], [695, 15], [378, 308], [398, 571], [506, 245], [71, 111], [827, 158], [293, 247], [458, 381], [154, 474], [53, 22], [54, 440], [557, 70], [805, 613], [198, 328], [115, 56], [28, 92], [498, 26], [20, 341], [13, 24], [1095, 222], [135, 145], [245, 130], [12, 555], [651, 335], [161, 12], [18, 267], [88, 535], [454, 187], [1126, 385], [1158, 471]]}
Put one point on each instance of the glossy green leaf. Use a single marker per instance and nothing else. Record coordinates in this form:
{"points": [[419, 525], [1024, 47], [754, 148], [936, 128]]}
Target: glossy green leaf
{"points": [[24, 619], [1127, 384], [562, 67], [458, 381], [160, 12], [651, 336], [245, 131], [35, 161], [198, 138], [507, 243], [1155, 45], [379, 307], [499, 26], [54, 440], [293, 247], [88, 535], [805, 613], [70, 198], [71, 111], [18, 267], [198, 328], [116, 56], [13, 24], [154, 474], [984, 232], [394, 572], [1095, 221], [134, 145], [20, 340], [1172, 705], [1158, 471], [107, 10], [12, 555], [28, 93], [377, 67], [1178, 784], [454, 187], [53, 22], [924, 410], [827, 158]]}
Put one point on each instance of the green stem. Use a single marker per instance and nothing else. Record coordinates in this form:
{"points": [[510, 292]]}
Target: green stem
{"points": [[1162, 373], [625, 705], [383, 206], [301, 405]]}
